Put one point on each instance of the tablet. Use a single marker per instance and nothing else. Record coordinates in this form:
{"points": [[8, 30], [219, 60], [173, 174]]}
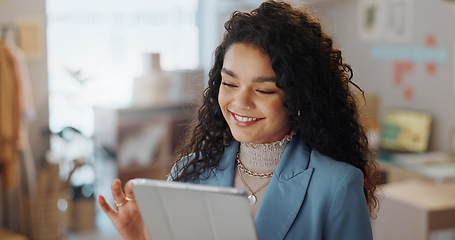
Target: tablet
{"points": [[173, 210]]}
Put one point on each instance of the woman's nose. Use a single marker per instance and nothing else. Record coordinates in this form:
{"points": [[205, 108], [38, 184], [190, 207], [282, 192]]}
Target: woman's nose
{"points": [[244, 99]]}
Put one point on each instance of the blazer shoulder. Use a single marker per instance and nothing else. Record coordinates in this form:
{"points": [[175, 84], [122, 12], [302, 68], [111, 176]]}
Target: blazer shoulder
{"points": [[177, 168], [329, 168]]}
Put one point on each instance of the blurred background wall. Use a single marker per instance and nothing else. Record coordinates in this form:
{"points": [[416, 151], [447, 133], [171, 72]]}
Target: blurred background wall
{"points": [[408, 60]]}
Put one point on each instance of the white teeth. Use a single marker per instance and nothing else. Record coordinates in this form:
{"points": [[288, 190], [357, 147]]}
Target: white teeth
{"points": [[244, 119]]}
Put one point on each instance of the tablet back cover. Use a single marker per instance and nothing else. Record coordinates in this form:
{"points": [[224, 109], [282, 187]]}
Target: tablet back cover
{"points": [[189, 211]]}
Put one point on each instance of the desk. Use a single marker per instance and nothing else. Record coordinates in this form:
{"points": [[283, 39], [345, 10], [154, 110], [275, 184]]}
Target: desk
{"points": [[412, 209], [434, 166]]}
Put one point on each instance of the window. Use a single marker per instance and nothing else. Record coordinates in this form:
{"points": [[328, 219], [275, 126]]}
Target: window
{"points": [[95, 50]]}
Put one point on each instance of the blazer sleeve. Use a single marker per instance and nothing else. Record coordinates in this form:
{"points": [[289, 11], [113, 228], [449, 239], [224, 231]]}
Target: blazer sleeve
{"points": [[348, 217]]}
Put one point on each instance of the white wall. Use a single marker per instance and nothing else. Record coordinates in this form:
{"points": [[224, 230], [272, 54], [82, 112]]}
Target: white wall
{"points": [[211, 18]]}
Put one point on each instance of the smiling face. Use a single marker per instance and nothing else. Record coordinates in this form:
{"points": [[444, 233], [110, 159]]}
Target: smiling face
{"points": [[252, 104]]}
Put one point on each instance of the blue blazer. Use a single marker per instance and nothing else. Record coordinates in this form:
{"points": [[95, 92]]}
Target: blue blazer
{"points": [[310, 196]]}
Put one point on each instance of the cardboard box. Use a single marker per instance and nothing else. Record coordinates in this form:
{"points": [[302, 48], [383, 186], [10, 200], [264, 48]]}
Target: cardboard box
{"points": [[413, 209]]}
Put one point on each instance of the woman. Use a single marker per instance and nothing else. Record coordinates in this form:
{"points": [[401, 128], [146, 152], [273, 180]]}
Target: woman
{"points": [[278, 120]]}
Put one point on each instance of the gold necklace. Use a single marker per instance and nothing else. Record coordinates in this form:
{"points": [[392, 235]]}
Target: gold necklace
{"points": [[249, 172], [252, 197]]}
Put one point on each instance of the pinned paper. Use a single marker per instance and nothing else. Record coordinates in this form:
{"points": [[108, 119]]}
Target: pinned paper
{"points": [[409, 93], [400, 68], [416, 54], [430, 41], [385, 20], [369, 23], [398, 16], [431, 69]]}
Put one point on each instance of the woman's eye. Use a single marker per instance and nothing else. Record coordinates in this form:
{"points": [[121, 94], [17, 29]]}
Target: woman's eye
{"points": [[227, 84], [265, 92]]}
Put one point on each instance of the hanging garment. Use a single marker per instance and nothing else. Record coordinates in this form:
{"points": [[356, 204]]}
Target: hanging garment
{"points": [[9, 117], [24, 90], [26, 110]]}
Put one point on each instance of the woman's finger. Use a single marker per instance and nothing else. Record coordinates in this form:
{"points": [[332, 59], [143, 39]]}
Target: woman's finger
{"points": [[117, 191], [129, 190], [111, 213]]}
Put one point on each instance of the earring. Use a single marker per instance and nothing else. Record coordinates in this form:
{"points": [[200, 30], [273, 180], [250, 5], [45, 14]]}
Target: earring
{"points": [[298, 113]]}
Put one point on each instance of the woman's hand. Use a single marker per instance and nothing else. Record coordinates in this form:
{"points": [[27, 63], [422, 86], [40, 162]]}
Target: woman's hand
{"points": [[127, 220]]}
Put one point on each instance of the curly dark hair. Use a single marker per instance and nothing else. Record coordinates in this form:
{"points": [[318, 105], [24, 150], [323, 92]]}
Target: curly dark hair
{"points": [[316, 83]]}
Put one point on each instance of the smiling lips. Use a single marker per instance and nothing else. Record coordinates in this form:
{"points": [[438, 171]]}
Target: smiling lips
{"points": [[244, 121]]}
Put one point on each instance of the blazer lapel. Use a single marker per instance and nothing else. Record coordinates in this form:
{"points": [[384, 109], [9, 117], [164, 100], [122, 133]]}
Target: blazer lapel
{"points": [[285, 193]]}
